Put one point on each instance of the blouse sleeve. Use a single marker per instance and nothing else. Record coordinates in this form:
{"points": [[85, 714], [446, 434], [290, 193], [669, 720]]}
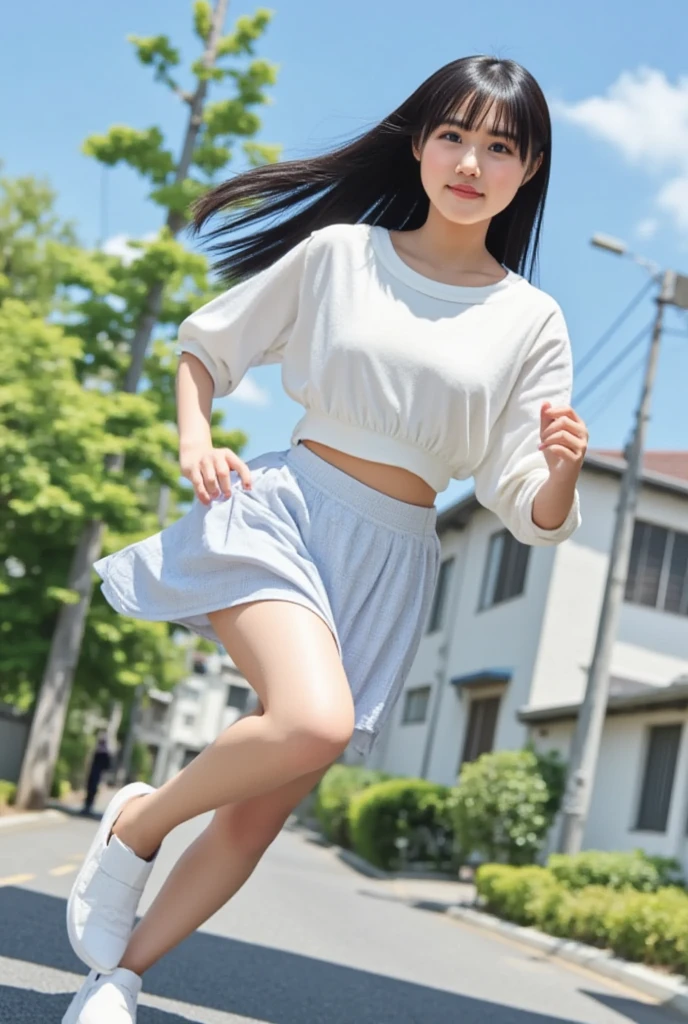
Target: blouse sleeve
{"points": [[249, 324], [514, 469]]}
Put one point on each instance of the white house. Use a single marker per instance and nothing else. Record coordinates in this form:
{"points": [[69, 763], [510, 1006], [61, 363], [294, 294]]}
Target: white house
{"points": [[177, 725], [510, 638]]}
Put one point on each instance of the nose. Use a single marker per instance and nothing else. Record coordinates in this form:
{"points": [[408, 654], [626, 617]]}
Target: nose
{"points": [[468, 164]]}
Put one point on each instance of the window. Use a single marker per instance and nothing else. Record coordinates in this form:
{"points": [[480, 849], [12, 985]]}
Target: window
{"points": [[480, 731], [439, 600], [658, 569], [189, 721], [658, 781], [237, 697], [416, 705], [505, 569]]}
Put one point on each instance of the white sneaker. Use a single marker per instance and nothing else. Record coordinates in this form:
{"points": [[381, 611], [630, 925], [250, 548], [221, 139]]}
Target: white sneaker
{"points": [[102, 905], [105, 999]]}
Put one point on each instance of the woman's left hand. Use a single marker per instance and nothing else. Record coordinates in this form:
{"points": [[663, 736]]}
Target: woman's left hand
{"points": [[564, 438]]}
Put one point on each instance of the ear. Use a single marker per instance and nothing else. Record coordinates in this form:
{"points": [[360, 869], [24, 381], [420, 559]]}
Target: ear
{"points": [[533, 169], [415, 149]]}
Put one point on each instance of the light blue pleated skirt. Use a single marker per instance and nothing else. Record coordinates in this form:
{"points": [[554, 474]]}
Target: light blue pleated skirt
{"points": [[305, 532]]}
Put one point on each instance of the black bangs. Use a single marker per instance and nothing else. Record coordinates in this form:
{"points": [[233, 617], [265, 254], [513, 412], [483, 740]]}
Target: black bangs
{"points": [[375, 177], [480, 95]]}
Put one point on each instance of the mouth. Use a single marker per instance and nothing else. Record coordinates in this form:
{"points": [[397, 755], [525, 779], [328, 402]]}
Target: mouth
{"points": [[465, 191]]}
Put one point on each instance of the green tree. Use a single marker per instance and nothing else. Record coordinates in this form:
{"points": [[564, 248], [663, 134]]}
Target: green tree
{"points": [[115, 324]]}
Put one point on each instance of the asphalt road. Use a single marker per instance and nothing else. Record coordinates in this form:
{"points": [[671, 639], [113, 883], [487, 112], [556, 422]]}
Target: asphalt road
{"points": [[307, 941]]}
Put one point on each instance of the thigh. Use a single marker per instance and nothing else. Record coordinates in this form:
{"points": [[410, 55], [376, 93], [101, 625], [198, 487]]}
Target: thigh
{"points": [[289, 656]]}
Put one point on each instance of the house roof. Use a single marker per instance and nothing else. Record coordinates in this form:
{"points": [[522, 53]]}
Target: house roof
{"points": [[626, 696], [662, 470]]}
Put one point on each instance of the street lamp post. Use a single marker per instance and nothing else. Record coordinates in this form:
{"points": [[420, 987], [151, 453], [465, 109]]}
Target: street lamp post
{"points": [[590, 724]]}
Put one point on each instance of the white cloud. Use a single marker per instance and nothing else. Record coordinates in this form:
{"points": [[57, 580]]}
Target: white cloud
{"points": [[120, 245], [249, 393], [647, 228], [645, 117]]}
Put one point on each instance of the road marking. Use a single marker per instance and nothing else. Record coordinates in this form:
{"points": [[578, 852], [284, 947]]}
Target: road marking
{"points": [[66, 869], [16, 879]]}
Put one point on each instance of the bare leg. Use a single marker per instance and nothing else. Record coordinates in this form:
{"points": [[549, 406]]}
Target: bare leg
{"points": [[212, 870], [289, 656]]}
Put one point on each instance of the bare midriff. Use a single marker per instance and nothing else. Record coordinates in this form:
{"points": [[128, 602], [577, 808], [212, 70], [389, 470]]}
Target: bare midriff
{"points": [[391, 480]]}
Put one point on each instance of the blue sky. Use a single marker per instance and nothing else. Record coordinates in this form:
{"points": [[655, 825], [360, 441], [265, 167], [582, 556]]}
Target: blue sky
{"points": [[615, 75]]}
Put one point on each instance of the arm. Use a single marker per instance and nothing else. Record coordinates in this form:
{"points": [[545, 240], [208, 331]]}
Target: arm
{"points": [[515, 478], [206, 467]]}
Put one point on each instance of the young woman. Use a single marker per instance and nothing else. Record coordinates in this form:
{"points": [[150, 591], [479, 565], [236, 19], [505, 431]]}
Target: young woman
{"points": [[391, 289]]}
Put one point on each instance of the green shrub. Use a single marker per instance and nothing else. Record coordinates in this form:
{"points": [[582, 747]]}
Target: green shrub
{"points": [[651, 927], [513, 892], [403, 821], [633, 870], [504, 807], [337, 787], [8, 791]]}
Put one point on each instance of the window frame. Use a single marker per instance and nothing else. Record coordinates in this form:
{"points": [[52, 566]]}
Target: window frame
{"points": [[438, 609], [409, 694], [493, 575], [644, 804]]}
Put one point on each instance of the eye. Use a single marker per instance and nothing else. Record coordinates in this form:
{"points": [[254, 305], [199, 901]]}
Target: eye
{"points": [[455, 135], [504, 149]]}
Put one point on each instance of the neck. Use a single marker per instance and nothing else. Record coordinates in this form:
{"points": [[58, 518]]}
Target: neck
{"points": [[460, 247]]}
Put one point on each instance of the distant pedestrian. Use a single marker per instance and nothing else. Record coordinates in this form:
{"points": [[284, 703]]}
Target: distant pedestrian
{"points": [[100, 762]]}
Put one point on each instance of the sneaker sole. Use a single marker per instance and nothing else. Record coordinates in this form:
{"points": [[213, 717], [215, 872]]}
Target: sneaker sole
{"points": [[110, 816], [77, 1004]]}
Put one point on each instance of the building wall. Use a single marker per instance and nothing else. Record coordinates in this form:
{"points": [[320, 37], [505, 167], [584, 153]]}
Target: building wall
{"points": [[619, 776], [652, 646]]}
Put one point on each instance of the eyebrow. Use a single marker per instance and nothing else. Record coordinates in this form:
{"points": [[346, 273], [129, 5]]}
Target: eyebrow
{"points": [[492, 133]]}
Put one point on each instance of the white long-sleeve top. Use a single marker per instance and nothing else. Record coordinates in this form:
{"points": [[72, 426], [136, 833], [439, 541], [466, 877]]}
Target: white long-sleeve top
{"points": [[445, 381]]}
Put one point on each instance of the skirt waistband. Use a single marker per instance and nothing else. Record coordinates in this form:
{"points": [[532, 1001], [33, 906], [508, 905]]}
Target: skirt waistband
{"points": [[365, 501]]}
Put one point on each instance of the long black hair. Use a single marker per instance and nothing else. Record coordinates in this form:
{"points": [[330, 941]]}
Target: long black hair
{"points": [[375, 179]]}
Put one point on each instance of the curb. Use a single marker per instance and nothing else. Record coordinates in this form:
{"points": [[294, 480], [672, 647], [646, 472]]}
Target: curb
{"points": [[17, 820], [672, 992]]}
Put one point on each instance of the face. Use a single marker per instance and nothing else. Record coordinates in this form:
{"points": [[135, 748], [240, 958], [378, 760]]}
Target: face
{"points": [[472, 176]]}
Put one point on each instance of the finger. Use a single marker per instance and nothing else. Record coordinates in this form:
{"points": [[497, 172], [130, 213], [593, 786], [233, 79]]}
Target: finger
{"points": [[564, 440], [241, 468], [223, 474], [563, 423], [564, 453], [209, 476], [199, 487]]}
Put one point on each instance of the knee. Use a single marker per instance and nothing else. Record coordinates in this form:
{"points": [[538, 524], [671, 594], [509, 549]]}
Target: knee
{"points": [[318, 739]]}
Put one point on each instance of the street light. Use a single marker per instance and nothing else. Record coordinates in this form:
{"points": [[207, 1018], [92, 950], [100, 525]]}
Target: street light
{"points": [[590, 724]]}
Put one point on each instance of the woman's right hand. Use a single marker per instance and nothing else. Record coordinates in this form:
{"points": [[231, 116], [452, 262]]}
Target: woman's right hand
{"points": [[209, 469]]}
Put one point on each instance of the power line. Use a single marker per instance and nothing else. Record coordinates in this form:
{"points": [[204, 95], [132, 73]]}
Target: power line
{"points": [[614, 391], [640, 336], [609, 333]]}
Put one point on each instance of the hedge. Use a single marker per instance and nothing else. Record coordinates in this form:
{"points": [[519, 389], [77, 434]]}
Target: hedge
{"points": [[336, 789], [635, 870], [651, 927], [412, 812]]}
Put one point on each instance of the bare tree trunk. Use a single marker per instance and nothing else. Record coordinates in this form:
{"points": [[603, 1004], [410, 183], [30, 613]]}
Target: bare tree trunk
{"points": [[51, 706]]}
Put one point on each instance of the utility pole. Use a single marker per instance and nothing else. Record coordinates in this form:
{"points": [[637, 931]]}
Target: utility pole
{"points": [[590, 724], [51, 706]]}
